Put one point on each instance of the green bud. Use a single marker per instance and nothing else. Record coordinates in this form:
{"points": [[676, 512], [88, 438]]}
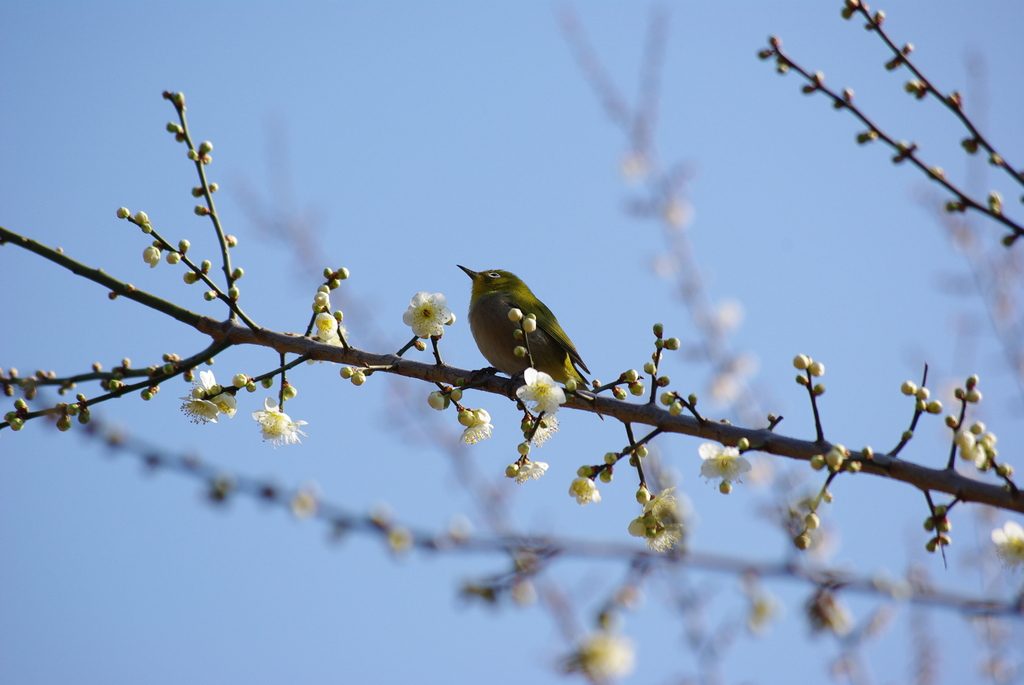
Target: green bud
{"points": [[523, 448], [606, 476], [672, 344], [611, 458], [659, 329], [585, 472], [643, 495], [512, 470]]}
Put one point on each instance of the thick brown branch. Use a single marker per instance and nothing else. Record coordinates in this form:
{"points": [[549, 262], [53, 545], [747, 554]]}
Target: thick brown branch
{"points": [[925, 478]]}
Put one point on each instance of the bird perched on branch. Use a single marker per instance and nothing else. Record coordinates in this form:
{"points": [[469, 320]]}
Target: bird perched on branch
{"points": [[493, 321]]}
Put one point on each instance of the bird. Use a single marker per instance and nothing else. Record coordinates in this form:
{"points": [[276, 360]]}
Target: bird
{"points": [[495, 293]]}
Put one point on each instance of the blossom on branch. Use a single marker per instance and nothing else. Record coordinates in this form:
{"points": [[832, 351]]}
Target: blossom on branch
{"points": [[659, 524], [277, 426], [479, 427], [722, 462], [541, 393], [531, 469], [428, 314], [585, 491], [206, 400]]}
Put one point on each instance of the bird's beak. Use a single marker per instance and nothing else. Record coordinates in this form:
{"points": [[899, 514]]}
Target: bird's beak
{"points": [[469, 272]]}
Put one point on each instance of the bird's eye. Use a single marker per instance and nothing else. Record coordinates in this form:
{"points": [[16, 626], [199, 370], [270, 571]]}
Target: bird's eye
{"points": [[494, 274]]}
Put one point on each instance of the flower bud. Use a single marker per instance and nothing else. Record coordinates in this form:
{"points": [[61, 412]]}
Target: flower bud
{"points": [[436, 399]]}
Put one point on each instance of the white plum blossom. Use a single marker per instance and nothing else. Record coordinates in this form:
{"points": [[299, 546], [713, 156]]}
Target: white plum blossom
{"points": [[277, 426], [1009, 541], [548, 427], [722, 462], [200, 410], [428, 314], [659, 523], [206, 400], [601, 657], [585, 491], [479, 427], [530, 469], [326, 329], [540, 393]]}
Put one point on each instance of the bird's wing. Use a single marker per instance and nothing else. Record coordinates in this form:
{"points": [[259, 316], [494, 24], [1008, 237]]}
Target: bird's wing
{"points": [[555, 332]]}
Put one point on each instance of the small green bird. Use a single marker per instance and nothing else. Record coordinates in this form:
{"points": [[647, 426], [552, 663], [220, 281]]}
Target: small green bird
{"points": [[495, 293]]}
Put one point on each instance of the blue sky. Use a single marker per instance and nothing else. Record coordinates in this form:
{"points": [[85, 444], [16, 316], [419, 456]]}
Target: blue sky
{"points": [[410, 138]]}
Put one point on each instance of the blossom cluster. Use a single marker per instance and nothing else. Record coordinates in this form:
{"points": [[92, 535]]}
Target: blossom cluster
{"points": [[208, 400], [659, 524]]}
